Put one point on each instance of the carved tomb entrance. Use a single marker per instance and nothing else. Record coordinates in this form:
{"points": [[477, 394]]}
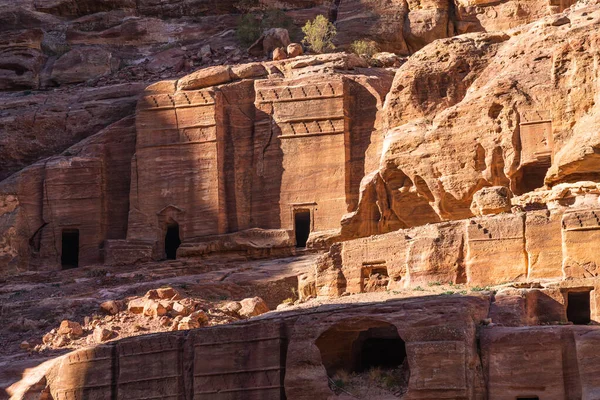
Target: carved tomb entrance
{"points": [[302, 227], [69, 257], [172, 241], [578, 307]]}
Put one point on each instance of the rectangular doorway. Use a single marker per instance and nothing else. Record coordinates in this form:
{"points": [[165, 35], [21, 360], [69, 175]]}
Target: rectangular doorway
{"points": [[578, 307], [302, 227], [69, 257]]}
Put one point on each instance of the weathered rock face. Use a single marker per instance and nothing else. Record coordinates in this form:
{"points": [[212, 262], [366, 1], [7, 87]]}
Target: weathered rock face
{"points": [[68, 194], [295, 355], [488, 250], [40, 125], [441, 148], [64, 42], [223, 150], [405, 27], [279, 150], [289, 355]]}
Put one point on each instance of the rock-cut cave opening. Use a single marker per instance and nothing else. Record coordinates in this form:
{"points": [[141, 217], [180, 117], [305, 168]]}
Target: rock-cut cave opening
{"points": [[69, 257], [359, 352], [532, 177], [172, 241]]}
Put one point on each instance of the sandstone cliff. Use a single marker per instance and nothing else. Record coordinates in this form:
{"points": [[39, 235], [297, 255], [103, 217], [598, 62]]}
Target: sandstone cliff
{"points": [[462, 115]]}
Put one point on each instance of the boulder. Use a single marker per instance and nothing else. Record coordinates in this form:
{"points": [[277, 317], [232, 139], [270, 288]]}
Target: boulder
{"points": [[102, 334], [253, 307], [269, 41], [249, 71], [154, 309], [70, 328], [180, 309], [111, 307], [279, 54], [193, 321], [232, 308], [491, 200], [168, 294], [136, 306], [206, 77], [294, 50]]}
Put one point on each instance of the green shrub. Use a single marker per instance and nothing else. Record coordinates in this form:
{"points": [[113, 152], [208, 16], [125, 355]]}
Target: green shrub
{"points": [[319, 34], [364, 48]]}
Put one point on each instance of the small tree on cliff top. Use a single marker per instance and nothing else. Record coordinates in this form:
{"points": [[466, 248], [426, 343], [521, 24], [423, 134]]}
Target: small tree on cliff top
{"points": [[319, 34]]}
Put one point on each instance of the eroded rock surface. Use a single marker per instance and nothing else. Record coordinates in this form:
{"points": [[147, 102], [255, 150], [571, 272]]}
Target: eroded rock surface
{"points": [[484, 123]]}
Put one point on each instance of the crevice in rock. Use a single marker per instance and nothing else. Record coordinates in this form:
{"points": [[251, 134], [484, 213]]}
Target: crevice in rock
{"points": [[333, 12]]}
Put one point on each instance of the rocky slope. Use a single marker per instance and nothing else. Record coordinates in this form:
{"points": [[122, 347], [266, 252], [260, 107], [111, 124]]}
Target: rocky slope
{"points": [[62, 43]]}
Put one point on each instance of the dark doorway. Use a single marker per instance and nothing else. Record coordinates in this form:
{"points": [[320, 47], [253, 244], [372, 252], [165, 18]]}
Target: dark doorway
{"points": [[528, 398], [578, 307], [172, 241], [302, 227], [69, 257]]}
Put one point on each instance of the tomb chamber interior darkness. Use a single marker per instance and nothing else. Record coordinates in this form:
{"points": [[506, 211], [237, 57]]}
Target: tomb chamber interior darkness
{"points": [[378, 348], [302, 227], [70, 249], [355, 348], [172, 241], [578, 307]]}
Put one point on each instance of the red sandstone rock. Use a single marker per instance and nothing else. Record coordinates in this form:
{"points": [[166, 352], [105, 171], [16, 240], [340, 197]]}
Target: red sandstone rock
{"points": [[205, 77], [70, 328], [136, 306], [101, 334], [269, 41], [193, 321], [154, 309], [168, 293], [253, 307], [294, 50], [491, 200], [279, 54], [111, 307], [180, 309], [81, 64]]}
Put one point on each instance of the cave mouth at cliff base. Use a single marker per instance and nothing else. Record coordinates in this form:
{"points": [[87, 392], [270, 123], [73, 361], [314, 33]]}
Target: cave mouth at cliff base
{"points": [[365, 357]]}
